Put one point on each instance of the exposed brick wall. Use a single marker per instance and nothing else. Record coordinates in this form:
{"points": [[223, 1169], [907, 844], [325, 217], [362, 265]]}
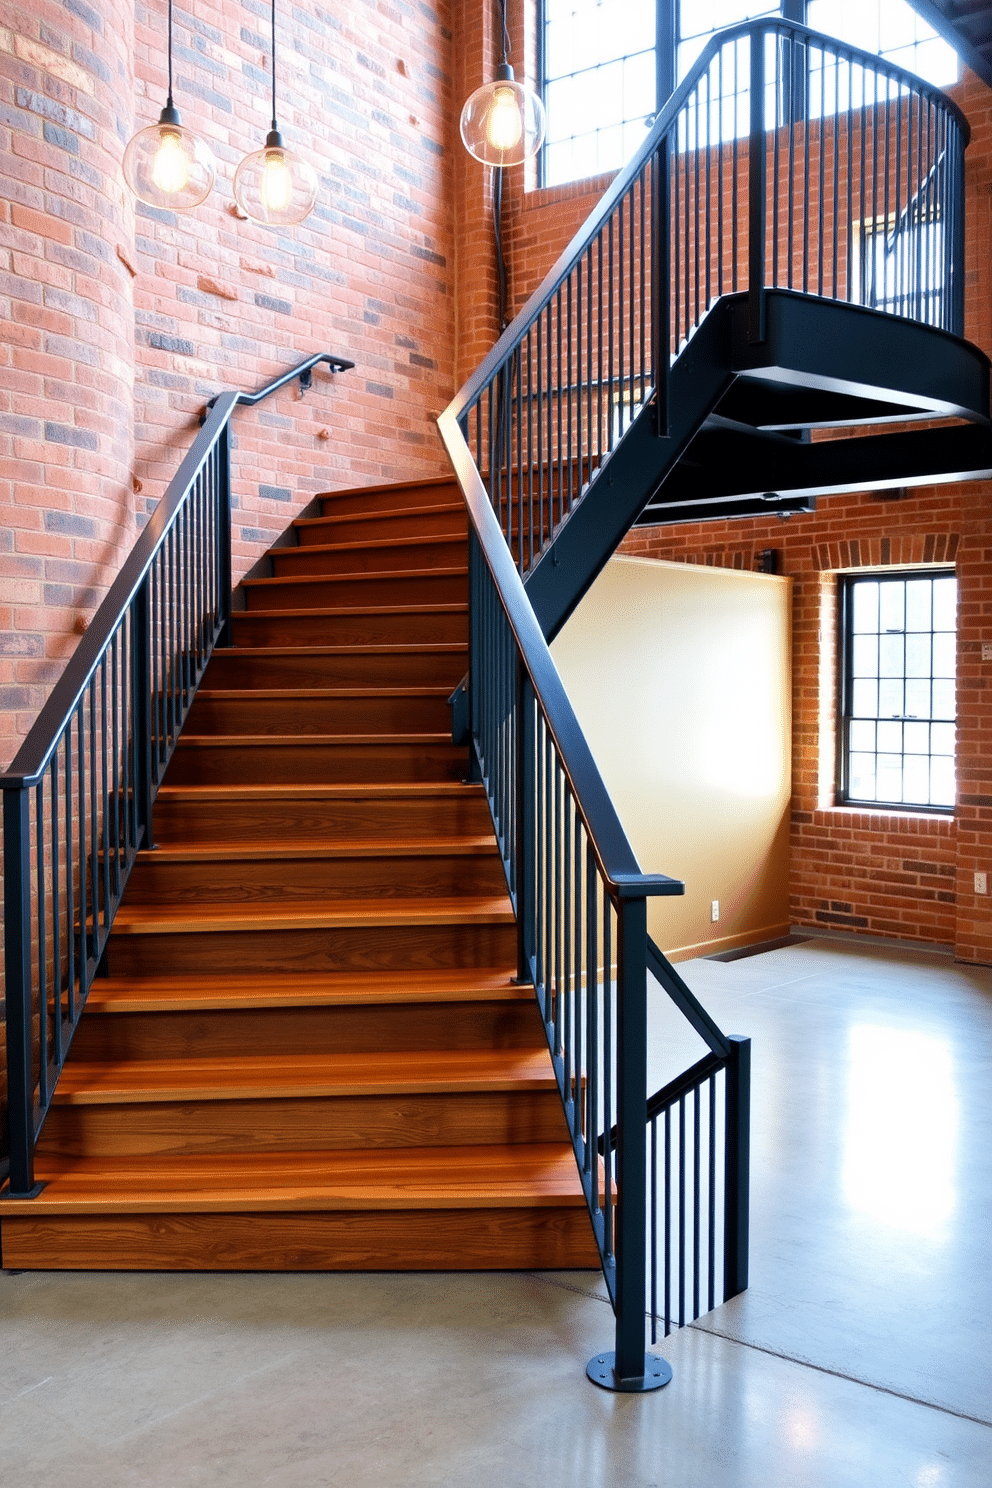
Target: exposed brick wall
{"points": [[66, 364], [365, 91]]}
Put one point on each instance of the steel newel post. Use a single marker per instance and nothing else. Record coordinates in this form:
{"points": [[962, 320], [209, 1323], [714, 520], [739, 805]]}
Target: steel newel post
{"points": [[17, 950], [475, 664], [525, 811], [223, 496], [631, 1369], [737, 1160], [757, 192]]}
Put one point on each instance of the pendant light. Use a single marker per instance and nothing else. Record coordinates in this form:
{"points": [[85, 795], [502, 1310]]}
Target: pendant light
{"points": [[275, 186], [503, 122], [165, 164]]}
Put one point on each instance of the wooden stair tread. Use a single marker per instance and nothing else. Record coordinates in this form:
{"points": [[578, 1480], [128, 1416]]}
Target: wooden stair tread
{"points": [[393, 789], [400, 648], [287, 694], [386, 574], [229, 741], [447, 607], [303, 1076], [427, 540], [449, 508], [378, 847], [241, 991], [150, 919], [408, 1178]]}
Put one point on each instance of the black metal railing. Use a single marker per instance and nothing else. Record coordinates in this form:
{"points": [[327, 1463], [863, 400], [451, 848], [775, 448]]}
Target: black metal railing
{"points": [[78, 797], [785, 160]]}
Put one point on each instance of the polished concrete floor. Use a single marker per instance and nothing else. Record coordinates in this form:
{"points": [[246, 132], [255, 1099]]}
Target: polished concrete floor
{"points": [[861, 1356]]}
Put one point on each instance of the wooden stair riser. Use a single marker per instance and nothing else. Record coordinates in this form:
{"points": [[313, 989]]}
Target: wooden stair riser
{"points": [[308, 1030], [237, 668], [366, 500], [420, 625], [365, 590], [263, 880], [544, 1238], [339, 558], [198, 761], [180, 816], [343, 712], [415, 947], [306, 1123], [378, 527]]}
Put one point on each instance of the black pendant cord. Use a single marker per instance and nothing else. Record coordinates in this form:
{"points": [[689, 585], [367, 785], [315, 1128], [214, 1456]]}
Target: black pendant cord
{"points": [[506, 32], [168, 102], [274, 124]]}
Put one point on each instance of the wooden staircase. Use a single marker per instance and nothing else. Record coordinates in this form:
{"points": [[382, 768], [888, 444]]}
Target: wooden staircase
{"points": [[307, 1052]]}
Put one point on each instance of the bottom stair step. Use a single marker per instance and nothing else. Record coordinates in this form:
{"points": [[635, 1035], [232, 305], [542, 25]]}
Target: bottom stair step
{"points": [[493, 1208]]}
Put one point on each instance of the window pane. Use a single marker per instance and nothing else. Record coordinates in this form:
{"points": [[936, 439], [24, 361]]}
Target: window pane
{"points": [[895, 755], [945, 604]]}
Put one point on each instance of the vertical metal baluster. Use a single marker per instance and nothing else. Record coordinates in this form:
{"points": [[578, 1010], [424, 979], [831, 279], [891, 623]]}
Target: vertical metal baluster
{"points": [[42, 957], [83, 865], [94, 860], [734, 214], [570, 973], [518, 461], [835, 203], [697, 214], [682, 1224], [580, 973], [53, 775], [608, 1057], [548, 479], [709, 191], [104, 803], [711, 1203], [70, 875], [806, 170], [821, 179], [559, 415], [611, 333], [574, 413], [591, 426], [592, 996], [624, 289], [668, 1220], [644, 277], [794, 54], [721, 171], [653, 1224], [695, 1201], [19, 979], [529, 457]]}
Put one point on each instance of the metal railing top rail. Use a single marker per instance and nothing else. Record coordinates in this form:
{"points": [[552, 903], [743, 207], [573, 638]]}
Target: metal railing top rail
{"points": [[613, 852], [667, 118], [35, 754]]}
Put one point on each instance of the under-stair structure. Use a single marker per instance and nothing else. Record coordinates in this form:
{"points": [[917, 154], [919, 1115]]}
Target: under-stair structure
{"points": [[305, 1048], [346, 986]]}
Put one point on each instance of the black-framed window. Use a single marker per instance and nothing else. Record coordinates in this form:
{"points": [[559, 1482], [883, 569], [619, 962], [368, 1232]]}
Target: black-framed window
{"points": [[897, 697], [607, 66]]}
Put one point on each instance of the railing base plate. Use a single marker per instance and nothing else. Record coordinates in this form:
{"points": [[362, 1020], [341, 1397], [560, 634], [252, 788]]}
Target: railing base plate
{"points": [[602, 1371], [32, 1193]]}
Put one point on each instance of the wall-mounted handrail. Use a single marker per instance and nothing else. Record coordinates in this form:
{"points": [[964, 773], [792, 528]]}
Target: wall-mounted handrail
{"points": [[78, 796]]}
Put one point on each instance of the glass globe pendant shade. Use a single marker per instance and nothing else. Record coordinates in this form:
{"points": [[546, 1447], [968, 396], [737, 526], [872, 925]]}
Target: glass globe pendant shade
{"points": [[275, 186], [503, 123], [167, 166]]}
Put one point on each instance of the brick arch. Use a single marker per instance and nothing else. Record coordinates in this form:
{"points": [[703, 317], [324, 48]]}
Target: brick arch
{"points": [[899, 550]]}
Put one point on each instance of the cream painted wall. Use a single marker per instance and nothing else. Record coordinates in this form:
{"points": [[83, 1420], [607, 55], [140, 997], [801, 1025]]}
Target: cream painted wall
{"points": [[680, 677]]}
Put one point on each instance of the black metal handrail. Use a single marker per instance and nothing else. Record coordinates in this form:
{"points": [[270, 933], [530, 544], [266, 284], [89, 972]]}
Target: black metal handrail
{"points": [[78, 796], [776, 164]]}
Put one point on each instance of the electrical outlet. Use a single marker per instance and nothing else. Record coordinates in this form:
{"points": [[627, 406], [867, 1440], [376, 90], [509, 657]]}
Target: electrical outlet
{"points": [[981, 883], [714, 910]]}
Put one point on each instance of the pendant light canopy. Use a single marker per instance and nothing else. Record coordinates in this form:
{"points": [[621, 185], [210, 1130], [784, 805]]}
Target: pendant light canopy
{"points": [[503, 122], [275, 186], [166, 164]]}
